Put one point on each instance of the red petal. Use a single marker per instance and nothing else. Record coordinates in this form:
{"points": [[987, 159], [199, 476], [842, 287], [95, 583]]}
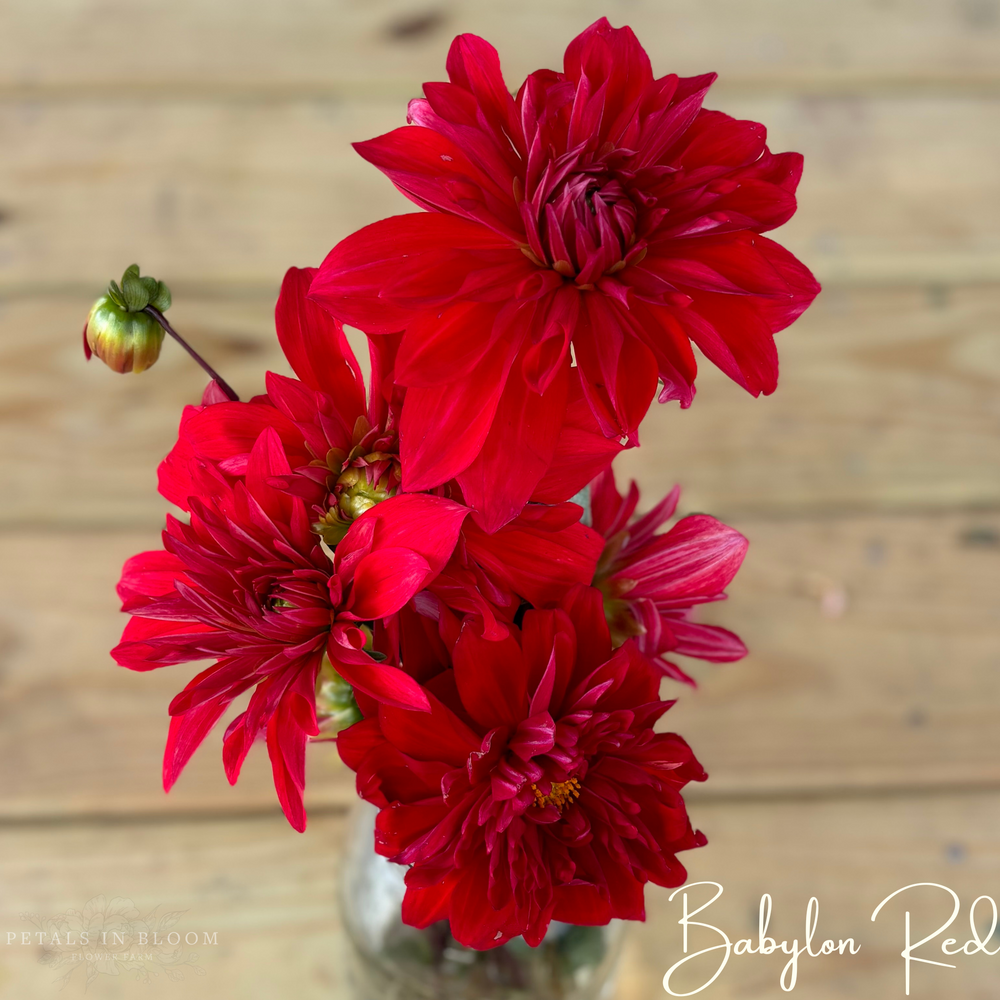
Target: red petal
{"points": [[149, 574], [428, 525], [581, 452], [660, 131], [440, 348], [286, 746], [225, 430], [583, 905], [268, 459], [610, 511], [732, 262], [716, 139], [426, 906], [182, 475], [419, 256], [316, 347], [667, 339], [492, 679], [214, 393], [357, 741], [187, 732], [474, 921], [734, 336], [610, 355], [146, 643], [434, 172], [517, 451], [612, 63], [440, 735], [235, 746], [384, 581], [474, 65], [706, 642], [697, 558], [533, 559], [765, 195], [443, 427], [585, 607], [386, 684], [382, 352], [802, 287]]}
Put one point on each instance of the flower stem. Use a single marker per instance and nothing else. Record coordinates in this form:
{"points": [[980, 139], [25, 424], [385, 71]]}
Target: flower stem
{"points": [[213, 374]]}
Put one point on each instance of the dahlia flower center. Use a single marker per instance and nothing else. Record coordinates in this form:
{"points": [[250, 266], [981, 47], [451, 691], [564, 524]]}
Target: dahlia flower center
{"points": [[588, 225], [277, 588], [562, 793], [275, 593], [366, 481], [356, 489]]}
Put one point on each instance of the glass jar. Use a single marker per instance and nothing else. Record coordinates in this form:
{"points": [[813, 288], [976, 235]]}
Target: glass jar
{"points": [[391, 961]]}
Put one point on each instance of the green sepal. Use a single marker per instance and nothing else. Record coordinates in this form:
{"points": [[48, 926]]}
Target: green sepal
{"points": [[336, 708], [161, 297], [134, 290], [137, 292], [115, 294]]}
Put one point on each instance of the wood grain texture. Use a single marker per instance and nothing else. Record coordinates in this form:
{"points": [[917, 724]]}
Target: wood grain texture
{"points": [[888, 400], [101, 436], [346, 44], [269, 894], [80, 735], [873, 665], [850, 854], [266, 891], [222, 194], [873, 662]]}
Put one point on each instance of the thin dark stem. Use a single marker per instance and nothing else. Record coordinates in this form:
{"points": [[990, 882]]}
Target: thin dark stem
{"points": [[213, 374]]}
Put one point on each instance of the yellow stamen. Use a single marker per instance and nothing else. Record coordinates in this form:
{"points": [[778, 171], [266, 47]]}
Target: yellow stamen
{"points": [[561, 794]]}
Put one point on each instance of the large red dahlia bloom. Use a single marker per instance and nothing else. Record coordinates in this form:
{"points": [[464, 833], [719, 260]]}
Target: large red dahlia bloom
{"points": [[600, 207], [343, 457], [651, 583], [535, 789], [299, 547], [248, 584]]}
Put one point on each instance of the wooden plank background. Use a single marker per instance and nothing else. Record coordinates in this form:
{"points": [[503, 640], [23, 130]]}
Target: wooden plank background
{"points": [[858, 747]]}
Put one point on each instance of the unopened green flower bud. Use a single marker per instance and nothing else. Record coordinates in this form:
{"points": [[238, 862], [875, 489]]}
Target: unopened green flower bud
{"points": [[124, 337]]}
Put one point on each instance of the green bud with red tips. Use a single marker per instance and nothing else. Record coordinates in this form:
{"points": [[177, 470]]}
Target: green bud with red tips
{"points": [[118, 331]]}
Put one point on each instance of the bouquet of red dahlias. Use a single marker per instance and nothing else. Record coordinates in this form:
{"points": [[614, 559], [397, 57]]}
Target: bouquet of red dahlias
{"points": [[437, 569]]}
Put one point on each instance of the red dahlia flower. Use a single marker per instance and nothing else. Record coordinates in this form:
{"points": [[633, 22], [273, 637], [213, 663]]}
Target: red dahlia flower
{"points": [[344, 454], [344, 459], [298, 539], [599, 207], [247, 583], [651, 583], [535, 788]]}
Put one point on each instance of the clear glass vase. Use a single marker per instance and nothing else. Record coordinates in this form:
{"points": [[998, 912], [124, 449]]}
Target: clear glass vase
{"points": [[390, 961]]}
